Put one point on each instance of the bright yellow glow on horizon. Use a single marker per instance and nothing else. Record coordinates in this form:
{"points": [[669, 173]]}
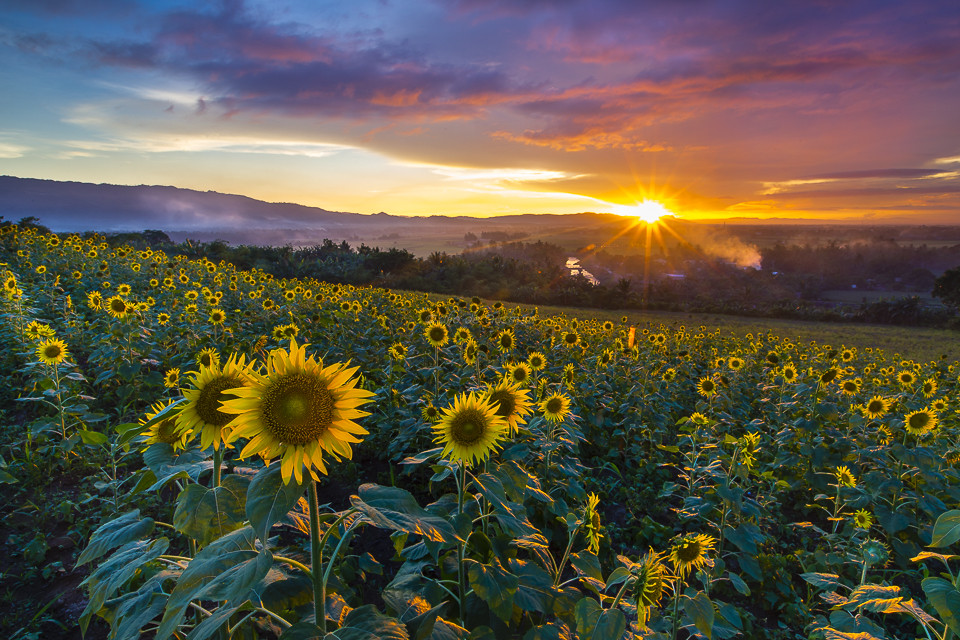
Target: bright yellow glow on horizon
{"points": [[648, 211]]}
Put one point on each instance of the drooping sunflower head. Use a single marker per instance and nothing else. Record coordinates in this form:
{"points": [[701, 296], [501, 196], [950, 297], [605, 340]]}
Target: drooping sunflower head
{"points": [[863, 519], [874, 553], [437, 334], [469, 430], [919, 422], [555, 407], [165, 429], [829, 375], [669, 375], [591, 523], [876, 407], [772, 357], [691, 552], [845, 477], [52, 352], [653, 580], [470, 350], [209, 388], [298, 410], [569, 374], [605, 357], [512, 403]]}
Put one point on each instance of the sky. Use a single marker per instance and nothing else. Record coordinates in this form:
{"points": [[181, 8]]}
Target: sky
{"points": [[826, 109]]}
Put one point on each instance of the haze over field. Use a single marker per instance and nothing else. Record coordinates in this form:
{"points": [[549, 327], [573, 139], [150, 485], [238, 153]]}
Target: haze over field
{"points": [[841, 111]]}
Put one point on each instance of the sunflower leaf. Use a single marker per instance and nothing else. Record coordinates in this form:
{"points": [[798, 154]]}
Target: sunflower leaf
{"points": [[119, 531], [397, 510], [207, 514], [947, 529], [269, 498]]}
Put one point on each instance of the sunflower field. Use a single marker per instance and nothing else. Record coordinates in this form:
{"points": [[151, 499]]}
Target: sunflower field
{"points": [[236, 456]]}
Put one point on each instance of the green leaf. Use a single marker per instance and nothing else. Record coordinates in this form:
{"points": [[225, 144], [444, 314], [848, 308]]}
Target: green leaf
{"points": [[547, 631], [269, 499], [739, 584], [224, 570], [366, 623], [947, 529], [945, 599], [746, 537], [535, 591], [93, 437], [103, 583], [823, 580], [597, 623], [114, 533], [302, 631], [207, 514], [129, 613], [700, 610], [494, 585], [397, 510], [874, 597]]}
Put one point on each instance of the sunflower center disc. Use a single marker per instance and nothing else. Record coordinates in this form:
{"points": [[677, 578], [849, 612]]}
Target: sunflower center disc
{"points": [[208, 405], [506, 403], [554, 405], [297, 409]]}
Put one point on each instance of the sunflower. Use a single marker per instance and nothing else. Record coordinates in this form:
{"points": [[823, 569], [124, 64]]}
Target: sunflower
{"points": [[772, 357], [518, 373], [123, 290], [537, 361], [653, 579], [470, 429], [506, 341], [938, 405], [39, 331], [929, 387], [591, 523], [217, 317], [846, 355], [430, 413], [691, 552], [605, 357], [669, 375], [210, 388], [436, 334], [512, 402], [906, 378], [163, 318], [789, 373], [569, 373], [171, 379], [920, 422], [850, 387], [735, 363], [829, 375], [298, 410], [876, 407], [555, 407], [208, 357], [117, 307], [707, 387], [52, 351], [470, 350], [571, 338], [397, 351], [166, 429], [462, 334], [863, 519], [844, 477], [874, 552]]}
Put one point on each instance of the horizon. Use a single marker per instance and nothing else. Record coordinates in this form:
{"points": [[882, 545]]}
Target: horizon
{"points": [[721, 112]]}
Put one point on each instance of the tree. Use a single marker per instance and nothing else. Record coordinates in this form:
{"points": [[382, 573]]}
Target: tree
{"points": [[947, 287]]}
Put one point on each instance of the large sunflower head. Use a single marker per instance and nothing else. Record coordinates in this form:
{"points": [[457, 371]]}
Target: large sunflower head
{"points": [[117, 307], [166, 429], [470, 429], [297, 410], [506, 341], [436, 334], [519, 373], [555, 407], [52, 351], [906, 378], [920, 422], [512, 403], [929, 387], [691, 552], [707, 387], [537, 361], [210, 387]]}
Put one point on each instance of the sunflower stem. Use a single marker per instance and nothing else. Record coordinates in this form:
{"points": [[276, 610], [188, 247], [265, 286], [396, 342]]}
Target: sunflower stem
{"points": [[676, 609], [217, 463], [461, 578], [316, 561]]}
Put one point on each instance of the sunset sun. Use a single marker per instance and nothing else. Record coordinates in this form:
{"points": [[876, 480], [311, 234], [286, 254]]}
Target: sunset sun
{"points": [[648, 211]]}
